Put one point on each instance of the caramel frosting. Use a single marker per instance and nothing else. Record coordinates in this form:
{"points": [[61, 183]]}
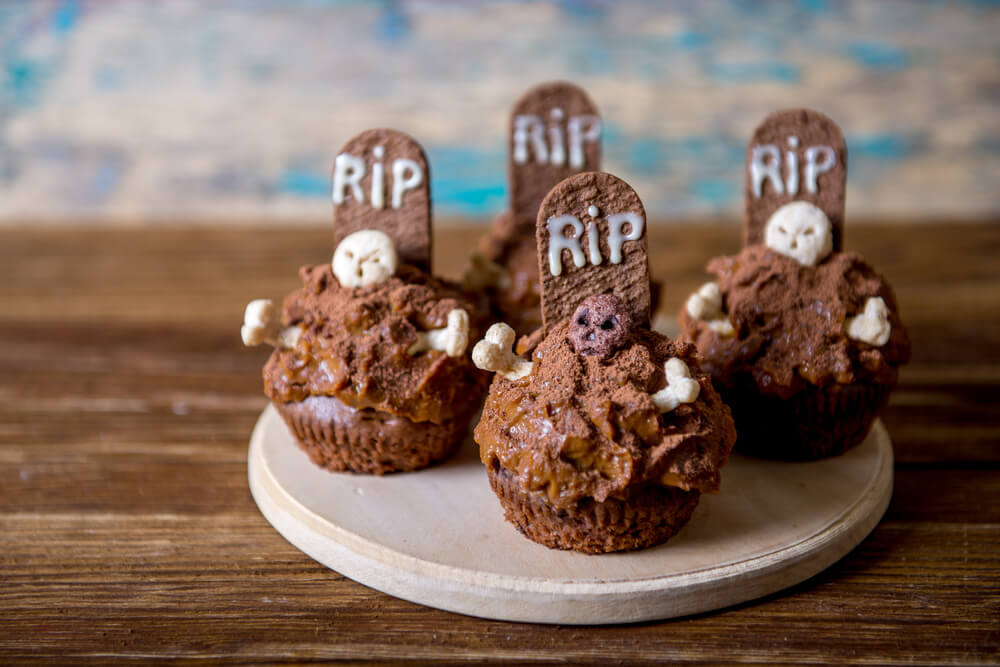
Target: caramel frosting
{"points": [[582, 426], [355, 341], [789, 323]]}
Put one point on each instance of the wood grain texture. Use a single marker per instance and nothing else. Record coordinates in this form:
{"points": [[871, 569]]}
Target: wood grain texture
{"points": [[127, 530], [439, 537]]}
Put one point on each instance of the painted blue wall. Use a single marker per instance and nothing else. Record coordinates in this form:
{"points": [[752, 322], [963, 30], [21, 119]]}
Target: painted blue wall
{"points": [[233, 109]]}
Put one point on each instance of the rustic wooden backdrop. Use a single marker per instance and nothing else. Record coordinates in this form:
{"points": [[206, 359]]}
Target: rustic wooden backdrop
{"points": [[233, 109]]}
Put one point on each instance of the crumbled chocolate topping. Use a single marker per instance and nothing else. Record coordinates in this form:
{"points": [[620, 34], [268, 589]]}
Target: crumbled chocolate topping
{"points": [[789, 323], [585, 426]]}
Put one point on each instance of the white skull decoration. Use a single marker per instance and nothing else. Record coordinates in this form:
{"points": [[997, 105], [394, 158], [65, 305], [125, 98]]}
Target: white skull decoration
{"points": [[801, 231], [365, 258]]}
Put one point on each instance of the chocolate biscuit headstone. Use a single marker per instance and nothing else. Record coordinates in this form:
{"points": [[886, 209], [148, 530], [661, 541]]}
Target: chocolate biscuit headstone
{"points": [[591, 233], [554, 132], [381, 181], [795, 155]]}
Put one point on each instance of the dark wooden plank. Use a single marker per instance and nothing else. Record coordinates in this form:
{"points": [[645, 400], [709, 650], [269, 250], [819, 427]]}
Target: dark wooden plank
{"points": [[228, 586]]}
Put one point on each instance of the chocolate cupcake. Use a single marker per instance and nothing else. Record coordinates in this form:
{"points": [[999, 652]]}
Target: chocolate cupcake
{"points": [[804, 341], [369, 370], [805, 356], [366, 387], [554, 132], [605, 439]]}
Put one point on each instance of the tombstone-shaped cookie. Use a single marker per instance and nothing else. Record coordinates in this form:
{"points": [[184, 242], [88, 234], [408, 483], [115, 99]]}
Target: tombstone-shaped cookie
{"points": [[554, 132], [381, 181], [591, 232], [795, 155]]}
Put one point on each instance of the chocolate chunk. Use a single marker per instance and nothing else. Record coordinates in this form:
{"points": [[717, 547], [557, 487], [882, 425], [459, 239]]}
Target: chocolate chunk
{"points": [[591, 233], [600, 325], [381, 181], [795, 155], [554, 132]]}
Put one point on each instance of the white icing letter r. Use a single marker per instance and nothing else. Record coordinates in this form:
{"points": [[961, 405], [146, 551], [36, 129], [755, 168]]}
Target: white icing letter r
{"points": [[559, 241], [761, 169], [348, 170]]}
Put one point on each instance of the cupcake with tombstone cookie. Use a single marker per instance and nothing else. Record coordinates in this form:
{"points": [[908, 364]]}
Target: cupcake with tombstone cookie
{"points": [[803, 340], [370, 370], [554, 132], [605, 437]]}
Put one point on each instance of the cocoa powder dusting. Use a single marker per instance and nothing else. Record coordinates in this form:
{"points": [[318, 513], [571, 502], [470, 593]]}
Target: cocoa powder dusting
{"points": [[354, 346], [583, 426], [789, 323]]}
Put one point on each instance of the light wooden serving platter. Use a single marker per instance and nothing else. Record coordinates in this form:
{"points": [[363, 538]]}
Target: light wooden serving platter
{"points": [[438, 537]]}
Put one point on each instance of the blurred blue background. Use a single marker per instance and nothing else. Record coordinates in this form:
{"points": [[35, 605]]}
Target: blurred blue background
{"points": [[233, 110]]}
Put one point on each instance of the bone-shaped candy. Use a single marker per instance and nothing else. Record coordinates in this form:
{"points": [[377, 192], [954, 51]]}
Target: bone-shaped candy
{"points": [[800, 230], [261, 324], [484, 272], [452, 339], [706, 305], [872, 325], [494, 353], [681, 388], [366, 257]]}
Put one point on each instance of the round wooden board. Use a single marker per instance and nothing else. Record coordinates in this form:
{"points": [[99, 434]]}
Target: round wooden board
{"points": [[438, 537]]}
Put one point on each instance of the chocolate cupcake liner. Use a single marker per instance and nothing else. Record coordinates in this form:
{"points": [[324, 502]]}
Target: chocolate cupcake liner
{"points": [[340, 438], [813, 424], [650, 516]]}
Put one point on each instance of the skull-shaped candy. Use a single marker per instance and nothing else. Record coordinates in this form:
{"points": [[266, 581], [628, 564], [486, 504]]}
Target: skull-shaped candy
{"points": [[364, 258], [801, 231], [600, 325]]}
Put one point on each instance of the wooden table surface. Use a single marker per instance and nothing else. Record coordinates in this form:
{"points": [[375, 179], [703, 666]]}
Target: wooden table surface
{"points": [[127, 530]]}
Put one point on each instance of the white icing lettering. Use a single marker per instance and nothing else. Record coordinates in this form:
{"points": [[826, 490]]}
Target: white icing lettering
{"points": [[348, 170], [792, 172], [765, 164], [580, 130], [529, 127], [558, 241], [557, 154], [593, 243], [403, 181], [378, 180], [617, 235], [814, 167], [761, 169], [561, 141]]}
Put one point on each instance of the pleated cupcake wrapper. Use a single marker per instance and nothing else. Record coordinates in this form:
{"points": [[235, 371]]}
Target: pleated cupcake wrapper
{"points": [[648, 517], [811, 425], [367, 447]]}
